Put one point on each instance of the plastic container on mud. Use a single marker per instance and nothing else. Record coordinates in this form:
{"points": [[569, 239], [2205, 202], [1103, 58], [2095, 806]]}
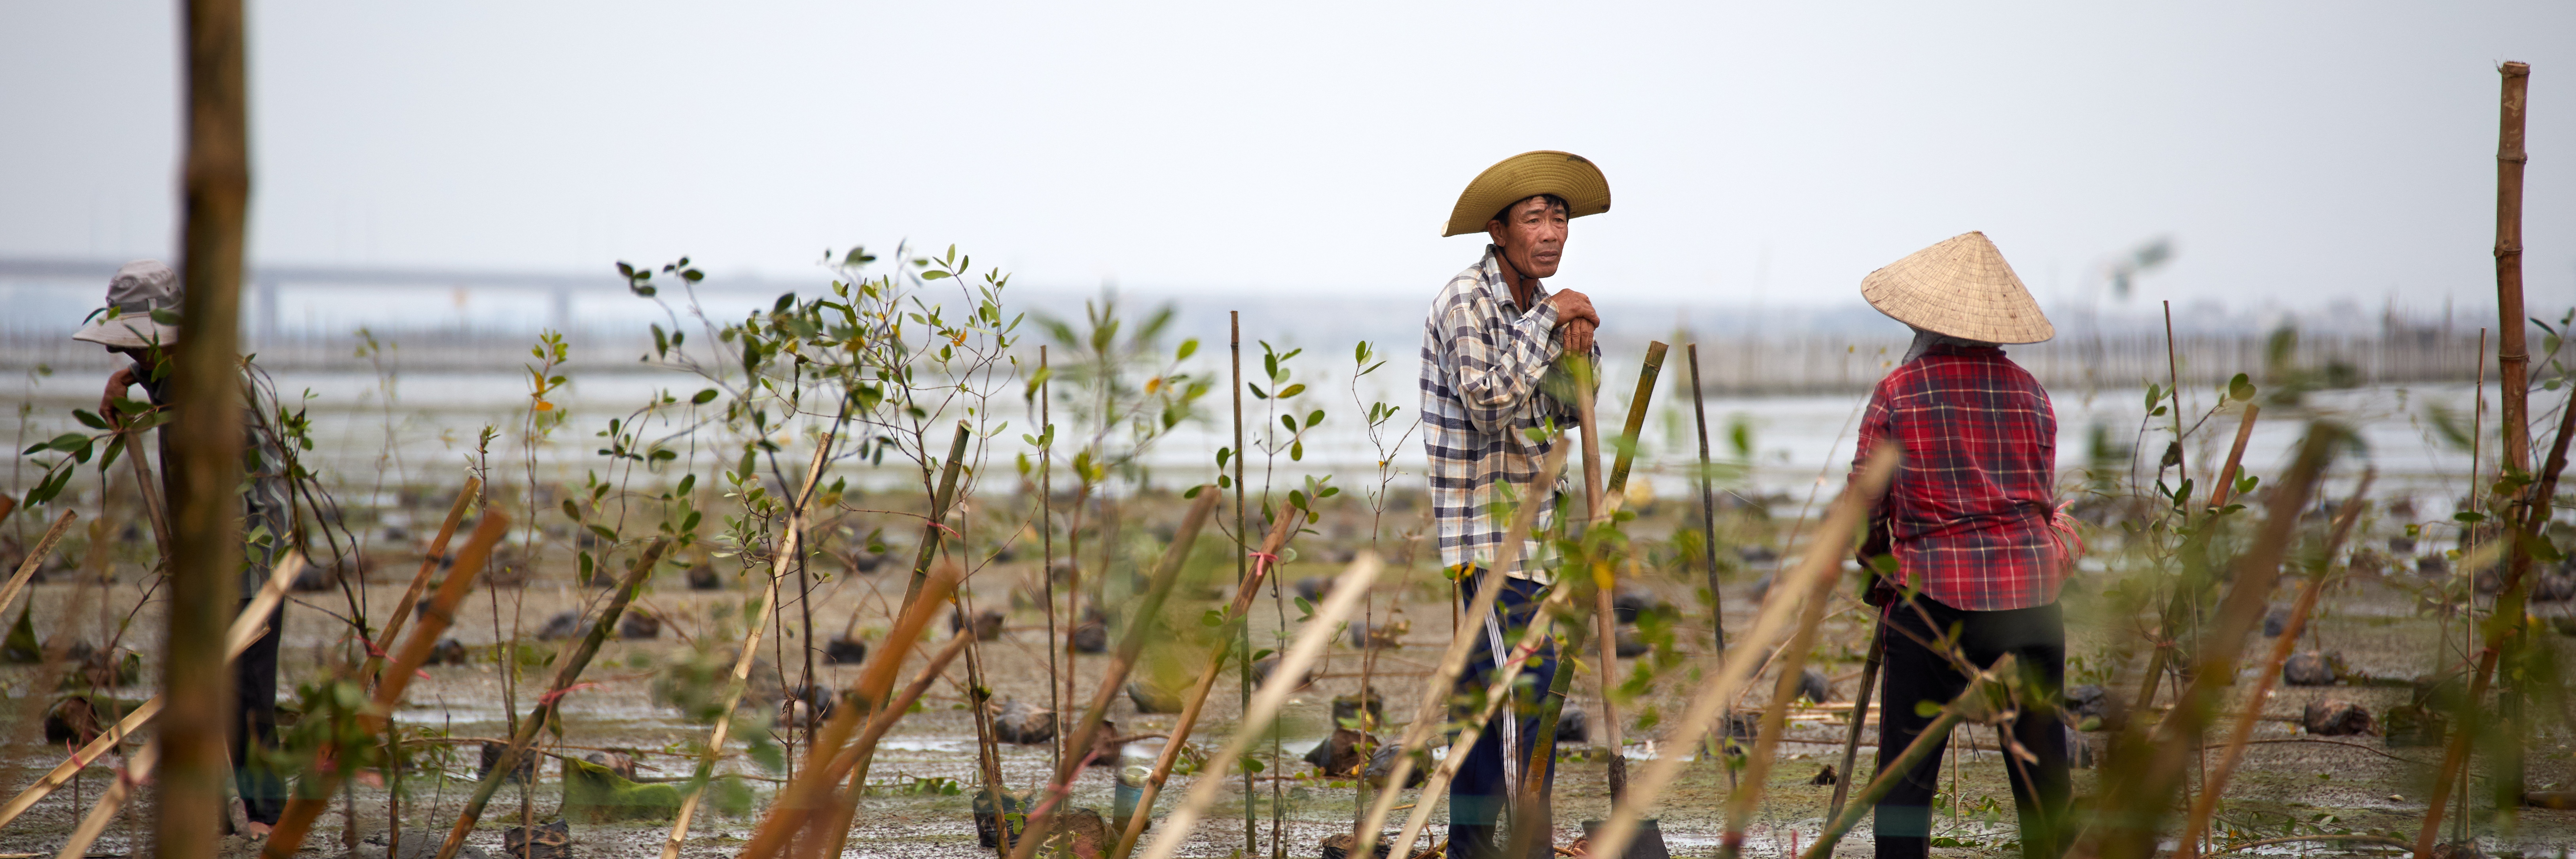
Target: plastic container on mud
{"points": [[1135, 768]]}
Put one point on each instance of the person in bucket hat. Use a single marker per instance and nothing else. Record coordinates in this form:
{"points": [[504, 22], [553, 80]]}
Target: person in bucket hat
{"points": [[1970, 521], [1489, 375], [141, 322]]}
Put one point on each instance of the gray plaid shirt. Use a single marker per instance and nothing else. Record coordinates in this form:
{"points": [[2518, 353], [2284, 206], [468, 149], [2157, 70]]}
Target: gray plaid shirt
{"points": [[1488, 376]]}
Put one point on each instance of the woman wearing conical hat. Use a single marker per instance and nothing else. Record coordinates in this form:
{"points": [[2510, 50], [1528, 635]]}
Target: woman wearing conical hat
{"points": [[1970, 520]]}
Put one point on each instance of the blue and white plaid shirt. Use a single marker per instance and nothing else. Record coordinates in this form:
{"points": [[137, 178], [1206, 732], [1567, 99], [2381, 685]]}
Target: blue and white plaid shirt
{"points": [[1488, 377]]}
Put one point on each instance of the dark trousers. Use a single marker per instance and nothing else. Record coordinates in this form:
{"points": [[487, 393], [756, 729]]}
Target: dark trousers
{"points": [[263, 793], [1913, 673], [1477, 795]]}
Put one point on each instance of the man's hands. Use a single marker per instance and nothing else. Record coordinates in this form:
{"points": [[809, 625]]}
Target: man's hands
{"points": [[117, 384], [1574, 313]]}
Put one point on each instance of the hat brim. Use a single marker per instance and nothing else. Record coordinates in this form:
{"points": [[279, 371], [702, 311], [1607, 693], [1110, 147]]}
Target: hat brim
{"points": [[128, 332], [1527, 175]]}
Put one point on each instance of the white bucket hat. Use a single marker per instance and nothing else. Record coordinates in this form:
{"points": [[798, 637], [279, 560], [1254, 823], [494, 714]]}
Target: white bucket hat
{"points": [[1961, 288], [139, 288]]}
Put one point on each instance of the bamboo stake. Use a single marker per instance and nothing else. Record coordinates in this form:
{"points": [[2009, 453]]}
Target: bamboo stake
{"points": [[851, 766], [2504, 623], [246, 628], [2513, 360], [420, 580], [1971, 703], [2235, 454], [1793, 661], [1605, 584], [806, 794], [577, 656], [791, 546], [138, 769], [1284, 681], [205, 435], [2133, 809], [1721, 686], [155, 509], [1087, 735], [1280, 531], [939, 504], [27, 566], [2205, 805], [292, 825], [1860, 711], [1427, 715], [1708, 518], [1243, 638]]}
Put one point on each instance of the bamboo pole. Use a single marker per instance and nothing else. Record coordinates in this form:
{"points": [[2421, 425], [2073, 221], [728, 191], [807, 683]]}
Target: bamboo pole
{"points": [[1818, 563], [2133, 809], [2504, 624], [1971, 703], [939, 503], [791, 546], [247, 627], [851, 765], [292, 825], [1427, 715], [1792, 665], [1604, 582], [205, 435], [1086, 736], [1860, 712], [568, 668], [27, 566], [1280, 531], [2513, 360], [2226, 483], [420, 581], [1708, 518], [155, 509], [2206, 804], [1284, 681], [790, 813]]}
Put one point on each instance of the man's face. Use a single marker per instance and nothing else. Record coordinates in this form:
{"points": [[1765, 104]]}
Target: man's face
{"points": [[1532, 236]]}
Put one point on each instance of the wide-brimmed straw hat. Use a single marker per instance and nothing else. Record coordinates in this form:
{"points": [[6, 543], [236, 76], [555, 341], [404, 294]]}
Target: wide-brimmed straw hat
{"points": [[1961, 287], [1527, 175], [139, 288]]}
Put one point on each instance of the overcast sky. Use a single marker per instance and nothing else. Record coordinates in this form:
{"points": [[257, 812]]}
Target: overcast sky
{"points": [[2296, 153]]}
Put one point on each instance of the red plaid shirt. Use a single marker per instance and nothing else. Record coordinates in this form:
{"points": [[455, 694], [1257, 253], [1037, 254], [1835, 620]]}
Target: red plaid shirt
{"points": [[1969, 511]]}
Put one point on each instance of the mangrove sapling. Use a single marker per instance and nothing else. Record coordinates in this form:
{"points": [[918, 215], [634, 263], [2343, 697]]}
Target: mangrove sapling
{"points": [[1284, 681], [247, 627], [1428, 715], [1277, 372], [793, 813], [2505, 626], [1376, 415], [2133, 807], [1140, 625], [568, 670], [1817, 569], [2216, 784], [1236, 613], [288, 834]]}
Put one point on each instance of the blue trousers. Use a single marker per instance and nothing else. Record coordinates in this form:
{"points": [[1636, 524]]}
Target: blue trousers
{"points": [[1478, 795]]}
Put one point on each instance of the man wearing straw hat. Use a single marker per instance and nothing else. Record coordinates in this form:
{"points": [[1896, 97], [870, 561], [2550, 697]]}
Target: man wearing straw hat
{"points": [[1970, 519], [1489, 355], [141, 323]]}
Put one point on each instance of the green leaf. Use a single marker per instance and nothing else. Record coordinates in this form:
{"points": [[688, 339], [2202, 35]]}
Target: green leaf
{"points": [[1256, 391], [88, 420], [1292, 390], [933, 274], [1188, 348], [1194, 491], [1313, 418], [704, 397], [1927, 709], [2240, 388]]}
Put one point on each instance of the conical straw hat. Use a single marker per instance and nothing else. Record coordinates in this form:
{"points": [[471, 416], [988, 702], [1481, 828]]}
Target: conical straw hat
{"points": [[1961, 287], [1527, 175]]}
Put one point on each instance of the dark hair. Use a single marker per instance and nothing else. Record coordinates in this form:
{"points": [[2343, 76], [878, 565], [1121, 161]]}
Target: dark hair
{"points": [[1552, 199]]}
